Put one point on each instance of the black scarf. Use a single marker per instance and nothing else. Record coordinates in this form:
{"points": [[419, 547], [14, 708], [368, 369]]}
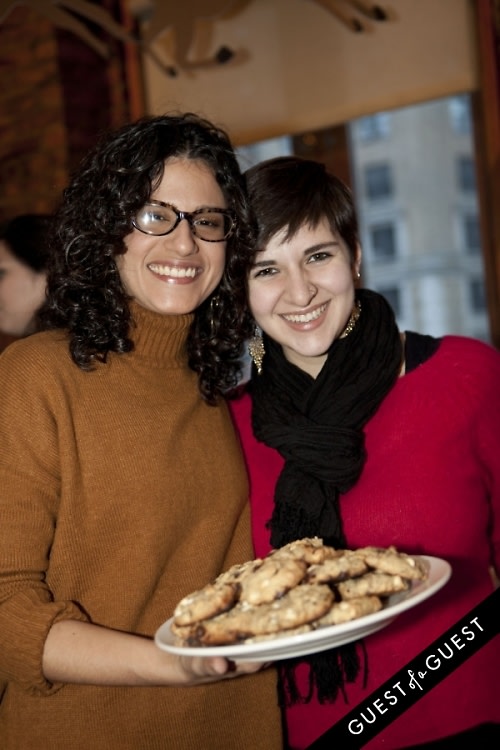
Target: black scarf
{"points": [[317, 426]]}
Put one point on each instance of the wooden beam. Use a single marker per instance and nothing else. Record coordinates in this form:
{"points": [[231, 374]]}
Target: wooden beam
{"points": [[486, 14]]}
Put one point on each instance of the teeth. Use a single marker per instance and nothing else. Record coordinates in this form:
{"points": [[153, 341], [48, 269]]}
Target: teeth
{"points": [[306, 318], [177, 273]]}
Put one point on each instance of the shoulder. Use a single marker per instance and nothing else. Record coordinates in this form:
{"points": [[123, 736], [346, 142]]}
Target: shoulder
{"points": [[33, 377], [38, 344], [31, 357], [471, 355], [471, 369], [461, 371]]}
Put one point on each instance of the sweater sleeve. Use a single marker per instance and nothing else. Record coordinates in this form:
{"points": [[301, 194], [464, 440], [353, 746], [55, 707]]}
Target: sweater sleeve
{"points": [[29, 492]]}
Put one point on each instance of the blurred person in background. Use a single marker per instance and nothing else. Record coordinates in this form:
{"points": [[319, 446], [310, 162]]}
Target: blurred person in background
{"points": [[23, 277]]}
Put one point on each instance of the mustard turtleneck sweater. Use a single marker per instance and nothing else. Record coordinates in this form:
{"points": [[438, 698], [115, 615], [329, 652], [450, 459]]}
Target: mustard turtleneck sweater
{"points": [[120, 492]]}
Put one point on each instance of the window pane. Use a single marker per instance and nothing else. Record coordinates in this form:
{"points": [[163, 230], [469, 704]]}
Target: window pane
{"points": [[466, 174], [460, 114], [373, 127], [472, 237], [477, 295], [383, 241], [378, 181]]}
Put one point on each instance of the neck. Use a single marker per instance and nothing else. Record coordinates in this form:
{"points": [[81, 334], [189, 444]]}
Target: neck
{"points": [[160, 338]]}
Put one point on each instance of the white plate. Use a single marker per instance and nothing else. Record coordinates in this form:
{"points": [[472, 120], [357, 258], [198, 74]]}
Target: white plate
{"points": [[286, 647]]}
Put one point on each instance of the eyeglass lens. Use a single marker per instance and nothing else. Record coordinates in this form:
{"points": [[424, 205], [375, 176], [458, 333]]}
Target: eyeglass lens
{"points": [[212, 225]]}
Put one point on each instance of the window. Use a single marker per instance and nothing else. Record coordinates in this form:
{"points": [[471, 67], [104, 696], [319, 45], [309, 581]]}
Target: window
{"points": [[253, 153], [373, 127], [393, 297], [477, 295], [460, 114], [383, 241], [466, 174], [471, 234], [378, 181]]}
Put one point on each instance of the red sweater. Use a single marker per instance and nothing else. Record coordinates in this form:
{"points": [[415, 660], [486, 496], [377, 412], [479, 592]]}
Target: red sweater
{"points": [[430, 485]]}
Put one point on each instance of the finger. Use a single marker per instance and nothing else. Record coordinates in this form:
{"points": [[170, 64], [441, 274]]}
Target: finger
{"points": [[247, 667], [218, 666]]}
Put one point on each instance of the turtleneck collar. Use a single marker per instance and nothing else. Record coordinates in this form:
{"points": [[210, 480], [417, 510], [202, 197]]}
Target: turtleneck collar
{"points": [[159, 338]]}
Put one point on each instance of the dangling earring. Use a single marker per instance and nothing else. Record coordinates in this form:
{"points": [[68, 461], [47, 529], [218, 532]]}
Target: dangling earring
{"points": [[256, 349], [214, 304]]}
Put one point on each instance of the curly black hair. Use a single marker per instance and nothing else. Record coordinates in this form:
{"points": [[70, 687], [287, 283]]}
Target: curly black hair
{"points": [[85, 293]]}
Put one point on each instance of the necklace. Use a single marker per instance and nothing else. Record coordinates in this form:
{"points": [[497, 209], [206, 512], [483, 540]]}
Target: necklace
{"points": [[353, 319]]}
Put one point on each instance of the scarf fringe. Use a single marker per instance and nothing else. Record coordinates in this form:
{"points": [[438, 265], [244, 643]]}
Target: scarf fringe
{"points": [[329, 672]]}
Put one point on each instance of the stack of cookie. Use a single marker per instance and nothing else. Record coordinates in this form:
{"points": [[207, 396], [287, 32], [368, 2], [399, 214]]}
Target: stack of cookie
{"points": [[300, 587]]}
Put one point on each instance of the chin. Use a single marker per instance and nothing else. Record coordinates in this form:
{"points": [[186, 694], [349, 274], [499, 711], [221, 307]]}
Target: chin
{"points": [[316, 350]]}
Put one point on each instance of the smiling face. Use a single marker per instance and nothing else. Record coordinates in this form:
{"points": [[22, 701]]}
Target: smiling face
{"points": [[22, 292], [174, 273], [301, 292]]}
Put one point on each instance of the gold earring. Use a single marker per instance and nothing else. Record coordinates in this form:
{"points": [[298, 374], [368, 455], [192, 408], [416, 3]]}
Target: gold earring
{"points": [[256, 349], [214, 305]]}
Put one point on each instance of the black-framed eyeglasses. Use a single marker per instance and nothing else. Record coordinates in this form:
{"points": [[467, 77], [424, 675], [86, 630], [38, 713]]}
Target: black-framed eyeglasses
{"points": [[209, 224]]}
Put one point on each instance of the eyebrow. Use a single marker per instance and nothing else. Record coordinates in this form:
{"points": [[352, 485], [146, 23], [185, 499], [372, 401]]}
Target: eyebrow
{"points": [[308, 251], [203, 207]]}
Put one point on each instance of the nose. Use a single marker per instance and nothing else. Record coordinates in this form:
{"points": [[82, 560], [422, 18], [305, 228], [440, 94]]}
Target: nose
{"points": [[182, 238], [300, 290]]}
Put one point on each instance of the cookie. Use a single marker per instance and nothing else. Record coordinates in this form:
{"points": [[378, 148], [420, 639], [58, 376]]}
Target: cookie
{"points": [[389, 560], [207, 602], [301, 586], [348, 610], [238, 572], [272, 579], [299, 606], [380, 584], [311, 550], [344, 565]]}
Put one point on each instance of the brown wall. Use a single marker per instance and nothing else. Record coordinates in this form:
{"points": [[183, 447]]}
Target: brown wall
{"points": [[33, 145], [57, 95]]}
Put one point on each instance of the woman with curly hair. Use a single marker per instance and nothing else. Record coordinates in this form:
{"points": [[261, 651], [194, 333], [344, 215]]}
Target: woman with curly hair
{"points": [[122, 483]]}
